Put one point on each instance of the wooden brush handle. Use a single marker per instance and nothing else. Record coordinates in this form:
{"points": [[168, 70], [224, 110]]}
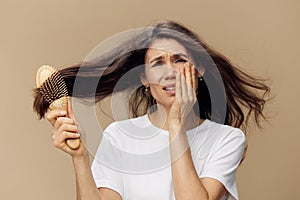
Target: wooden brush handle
{"points": [[62, 104], [73, 143]]}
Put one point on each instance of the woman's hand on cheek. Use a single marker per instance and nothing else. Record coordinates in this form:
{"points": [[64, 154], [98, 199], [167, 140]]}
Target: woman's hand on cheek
{"points": [[185, 97]]}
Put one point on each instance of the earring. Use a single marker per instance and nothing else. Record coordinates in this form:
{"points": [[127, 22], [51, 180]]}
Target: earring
{"points": [[201, 78], [146, 88]]}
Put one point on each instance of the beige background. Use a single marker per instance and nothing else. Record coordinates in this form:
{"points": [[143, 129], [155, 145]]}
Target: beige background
{"points": [[260, 36]]}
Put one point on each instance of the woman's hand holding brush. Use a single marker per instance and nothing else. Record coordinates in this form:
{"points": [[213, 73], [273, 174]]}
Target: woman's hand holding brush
{"points": [[65, 129]]}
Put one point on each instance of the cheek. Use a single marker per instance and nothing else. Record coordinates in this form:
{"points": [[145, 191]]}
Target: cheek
{"points": [[157, 93], [155, 90], [154, 76]]}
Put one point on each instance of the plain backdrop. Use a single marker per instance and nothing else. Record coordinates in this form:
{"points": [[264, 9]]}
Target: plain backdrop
{"points": [[261, 36]]}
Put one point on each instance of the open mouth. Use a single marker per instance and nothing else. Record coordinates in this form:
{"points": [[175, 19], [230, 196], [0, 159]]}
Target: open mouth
{"points": [[171, 88]]}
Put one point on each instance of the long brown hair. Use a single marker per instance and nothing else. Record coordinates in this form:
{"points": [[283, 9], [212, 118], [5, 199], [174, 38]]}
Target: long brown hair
{"points": [[240, 95]]}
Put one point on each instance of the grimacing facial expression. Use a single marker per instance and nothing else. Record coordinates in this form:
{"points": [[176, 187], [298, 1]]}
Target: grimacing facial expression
{"points": [[162, 62]]}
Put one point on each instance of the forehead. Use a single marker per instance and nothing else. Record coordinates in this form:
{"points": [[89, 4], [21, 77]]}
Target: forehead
{"points": [[164, 46]]}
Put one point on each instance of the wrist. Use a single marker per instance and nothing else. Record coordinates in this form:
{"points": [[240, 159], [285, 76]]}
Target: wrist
{"points": [[82, 159], [175, 129], [173, 122]]}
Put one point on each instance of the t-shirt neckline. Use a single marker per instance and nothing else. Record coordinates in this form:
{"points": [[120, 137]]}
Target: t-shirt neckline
{"points": [[198, 128]]}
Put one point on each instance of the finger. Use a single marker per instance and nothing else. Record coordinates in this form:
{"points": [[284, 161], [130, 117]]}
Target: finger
{"points": [[178, 86], [188, 74], [61, 136], [183, 83], [63, 120], [194, 78], [68, 128], [69, 135], [64, 128], [189, 78], [70, 110], [60, 140], [52, 115]]}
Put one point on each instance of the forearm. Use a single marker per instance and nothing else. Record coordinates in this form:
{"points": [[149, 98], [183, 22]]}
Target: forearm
{"points": [[86, 188], [186, 182]]}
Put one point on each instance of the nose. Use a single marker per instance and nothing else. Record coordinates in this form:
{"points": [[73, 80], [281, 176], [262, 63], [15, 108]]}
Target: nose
{"points": [[170, 71], [173, 66]]}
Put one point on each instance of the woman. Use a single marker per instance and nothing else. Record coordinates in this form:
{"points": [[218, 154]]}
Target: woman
{"points": [[183, 92]]}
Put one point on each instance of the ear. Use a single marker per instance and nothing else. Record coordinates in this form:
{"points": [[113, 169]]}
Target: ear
{"points": [[201, 71], [144, 80]]}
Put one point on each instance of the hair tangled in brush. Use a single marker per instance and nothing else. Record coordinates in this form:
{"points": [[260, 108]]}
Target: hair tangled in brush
{"points": [[245, 94], [40, 105]]}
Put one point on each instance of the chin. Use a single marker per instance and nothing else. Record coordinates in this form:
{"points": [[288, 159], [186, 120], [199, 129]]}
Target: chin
{"points": [[167, 101]]}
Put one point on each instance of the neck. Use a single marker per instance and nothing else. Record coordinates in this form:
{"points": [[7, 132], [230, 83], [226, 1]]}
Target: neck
{"points": [[158, 118]]}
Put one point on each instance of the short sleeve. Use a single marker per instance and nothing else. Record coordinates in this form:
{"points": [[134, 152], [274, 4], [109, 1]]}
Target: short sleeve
{"points": [[224, 160], [106, 165]]}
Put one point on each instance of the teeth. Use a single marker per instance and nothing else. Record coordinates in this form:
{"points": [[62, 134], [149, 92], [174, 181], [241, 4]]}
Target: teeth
{"points": [[170, 88]]}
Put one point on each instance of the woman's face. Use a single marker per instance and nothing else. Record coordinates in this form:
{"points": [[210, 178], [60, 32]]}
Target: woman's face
{"points": [[163, 60]]}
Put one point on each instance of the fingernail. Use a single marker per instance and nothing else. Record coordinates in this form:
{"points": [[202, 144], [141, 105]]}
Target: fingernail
{"points": [[78, 134]]}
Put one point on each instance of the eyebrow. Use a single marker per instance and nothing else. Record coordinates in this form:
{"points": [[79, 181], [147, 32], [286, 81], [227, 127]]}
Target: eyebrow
{"points": [[180, 54], [156, 58], [174, 55]]}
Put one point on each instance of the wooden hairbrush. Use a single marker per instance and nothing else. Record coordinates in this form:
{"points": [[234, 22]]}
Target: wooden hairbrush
{"points": [[54, 91]]}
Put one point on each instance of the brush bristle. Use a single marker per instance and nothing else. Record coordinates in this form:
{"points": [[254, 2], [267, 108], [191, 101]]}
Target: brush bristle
{"points": [[54, 88]]}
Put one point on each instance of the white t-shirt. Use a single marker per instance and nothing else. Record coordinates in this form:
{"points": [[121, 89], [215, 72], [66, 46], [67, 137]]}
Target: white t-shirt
{"points": [[133, 158]]}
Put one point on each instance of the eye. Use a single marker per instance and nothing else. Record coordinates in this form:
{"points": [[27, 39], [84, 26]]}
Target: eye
{"points": [[180, 60], [158, 63]]}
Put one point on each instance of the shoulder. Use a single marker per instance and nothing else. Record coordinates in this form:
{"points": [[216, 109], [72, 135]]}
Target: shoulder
{"points": [[125, 126], [210, 137], [232, 135], [230, 141], [226, 132]]}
